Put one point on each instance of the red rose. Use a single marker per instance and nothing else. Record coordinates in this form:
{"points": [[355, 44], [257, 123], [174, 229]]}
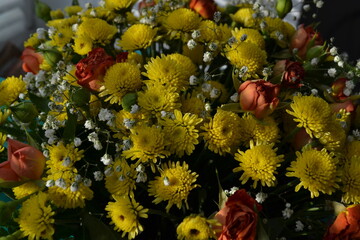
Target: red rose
{"points": [[122, 57], [31, 60], [91, 70], [239, 217], [259, 97], [346, 225], [206, 8], [292, 73], [24, 162], [305, 38]]}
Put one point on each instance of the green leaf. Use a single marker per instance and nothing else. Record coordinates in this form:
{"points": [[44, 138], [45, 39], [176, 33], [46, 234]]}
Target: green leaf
{"points": [[70, 127], [42, 10], [233, 107], [40, 103], [80, 96], [222, 196], [260, 231], [25, 112], [97, 229], [128, 100]]}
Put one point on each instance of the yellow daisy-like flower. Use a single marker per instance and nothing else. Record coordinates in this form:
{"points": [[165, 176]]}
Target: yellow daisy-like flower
{"points": [[125, 214], [10, 89], [63, 156], [173, 185], [36, 217], [63, 23], [122, 179], [61, 37], [122, 116], [135, 58], [209, 31], [246, 54], [352, 149], [25, 189], [195, 227], [2, 141], [172, 70], [82, 45], [192, 104], [4, 114], [245, 17], [94, 105], [311, 113], [316, 171], [119, 4], [32, 41], [138, 36], [120, 79], [222, 132], [100, 12], [148, 144], [182, 19], [56, 14], [333, 138], [259, 164], [250, 35], [350, 181], [181, 132], [72, 10], [157, 98]]}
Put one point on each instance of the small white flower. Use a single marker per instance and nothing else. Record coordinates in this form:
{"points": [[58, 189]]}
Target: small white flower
{"points": [[77, 142], [141, 177], [306, 7], [105, 114], [50, 133], [166, 181], [314, 92], [92, 137], [350, 84], [207, 107], [261, 197], [89, 124], [206, 87], [87, 182], [314, 61], [108, 172], [215, 93], [191, 44], [332, 72], [129, 123], [213, 46], [121, 178], [347, 92], [207, 57], [66, 161], [98, 176], [232, 40], [74, 187], [299, 226], [98, 145], [78, 178], [195, 34], [50, 183], [341, 64], [233, 190], [41, 33], [134, 108], [337, 59], [193, 80], [287, 212], [333, 51], [319, 4], [140, 168], [60, 183], [235, 97], [217, 16], [106, 159]]}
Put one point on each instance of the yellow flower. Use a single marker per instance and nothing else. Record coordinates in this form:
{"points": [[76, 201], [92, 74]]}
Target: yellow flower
{"points": [[192, 104], [311, 113], [56, 14], [122, 115], [245, 17], [246, 54], [173, 185], [72, 10], [333, 138], [4, 114], [223, 96], [36, 217], [251, 35], [173, 70], [125, 214], [10, 89], [122, 179], [62, 37], [222, 132], [195, 227], [157, 98], [63, 156], [25, 189], [120, 79], [82, 45], [209, 31], [351, 181], [316, 171], [352, 149], [33, 41], [259, 163], [3, 138], [63, 23], [182, 19], [181, 132], [138, 36], [119, 4], [148, 144]]}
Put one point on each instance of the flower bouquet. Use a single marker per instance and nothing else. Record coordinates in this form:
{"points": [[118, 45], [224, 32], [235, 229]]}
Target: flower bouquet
{"points": [[180, 120]]}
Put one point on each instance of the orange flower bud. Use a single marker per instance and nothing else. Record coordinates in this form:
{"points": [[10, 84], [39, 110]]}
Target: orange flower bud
{"points": [[31, 60], [206, 8]]}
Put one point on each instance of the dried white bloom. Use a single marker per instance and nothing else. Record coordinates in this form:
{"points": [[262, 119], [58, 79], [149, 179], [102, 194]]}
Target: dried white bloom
{"points": [[332, 72], [235, 97], [261, 197], [50, 183], [193, 80], [74, 187], [60, 183], [195, 34], [191, 44], [333, 51], [207, 57], [98, 176], [106, 159], [134, 108], [299, 226], [77, 142], [89, 124]]}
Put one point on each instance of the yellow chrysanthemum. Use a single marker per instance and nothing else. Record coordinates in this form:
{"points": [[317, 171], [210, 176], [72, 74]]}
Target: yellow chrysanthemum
{"points": [[173, 185], [36, 218], [259, 164], [138, 36], [250, 35], [311, 113], [122, 179], [10, 89], [196, 54], [94, 105], [192, 104], [246, 54], [4, 114], [182, 19], [195, 227], [63, 23], [350, 181], [223, 94], [33, 41], [181, 132], [316, 171], [72, 10], [119, 4], [209, 31], [63, 156], [56, 14], [125, 214], [2, 141], [222, 132], [25, 189], [333, 138], [172, 70], [70, 76], [120, 79], [82, 45], [61, 37], [157, 98], [135, 58], [352, 149], [100, 12], [148, 144], [122, 116], [245, 16]]}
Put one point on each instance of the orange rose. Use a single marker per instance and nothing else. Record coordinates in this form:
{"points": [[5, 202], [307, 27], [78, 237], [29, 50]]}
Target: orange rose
{"points": [[259, 97], [346, 225], [91, 70], [31, 60], [304, 39], [206, 8], [338, 87], [239, 218]]}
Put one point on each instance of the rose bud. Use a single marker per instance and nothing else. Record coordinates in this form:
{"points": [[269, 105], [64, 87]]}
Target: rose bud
{"points": [[206, 8], [346, 225], [8, 178], [292, 73], [31, 60], [259, 97], [305, 38], [239, 217], [338, 87], [26, 161], [90, 71]]}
